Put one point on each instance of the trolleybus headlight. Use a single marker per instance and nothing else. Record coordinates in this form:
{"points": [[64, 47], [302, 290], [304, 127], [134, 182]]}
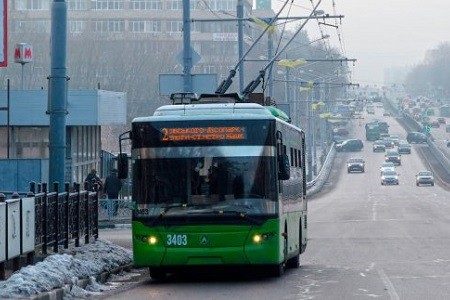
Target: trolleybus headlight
{"points": [[152, 240], [259, 238]]}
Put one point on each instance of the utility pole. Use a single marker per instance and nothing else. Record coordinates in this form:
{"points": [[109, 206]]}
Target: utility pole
{"points": [[310, 138], [187, 52], [58, 93], [270, 56], [240, 15]]}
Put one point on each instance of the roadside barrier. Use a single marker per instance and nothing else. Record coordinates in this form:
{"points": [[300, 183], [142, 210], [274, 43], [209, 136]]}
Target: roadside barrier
{"points": [[40, 222]]}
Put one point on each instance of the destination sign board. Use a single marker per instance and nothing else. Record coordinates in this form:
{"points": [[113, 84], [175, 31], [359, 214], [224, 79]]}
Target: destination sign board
{"points": [[203, 133]]}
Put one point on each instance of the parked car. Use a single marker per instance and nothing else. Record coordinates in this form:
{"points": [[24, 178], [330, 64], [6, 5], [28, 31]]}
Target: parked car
{"points": [[389, 177], [355, 165], [441, 120], [404, 148], [425, 177], [379, 146], [447, 128], [350, 145], [448, 143], [416, 137], [387, 114], [394, 157]]}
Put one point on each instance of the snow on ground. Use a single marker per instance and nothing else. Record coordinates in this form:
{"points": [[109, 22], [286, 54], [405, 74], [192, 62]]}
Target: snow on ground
{"points": [[58, 270]]}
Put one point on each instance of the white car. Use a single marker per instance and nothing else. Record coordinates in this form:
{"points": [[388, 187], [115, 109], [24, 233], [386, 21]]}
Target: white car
{"points": [[387, 166], [389, 177], [424, 177]]}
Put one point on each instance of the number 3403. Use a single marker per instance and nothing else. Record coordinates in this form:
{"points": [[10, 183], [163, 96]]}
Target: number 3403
{"points": [[176, 240]]}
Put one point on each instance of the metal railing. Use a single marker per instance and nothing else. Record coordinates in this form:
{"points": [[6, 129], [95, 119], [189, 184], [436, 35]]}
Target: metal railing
{"points": [[40, 222]]}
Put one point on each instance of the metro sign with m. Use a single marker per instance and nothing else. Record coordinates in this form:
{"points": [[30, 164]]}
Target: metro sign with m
{"points": [[23, 53]]}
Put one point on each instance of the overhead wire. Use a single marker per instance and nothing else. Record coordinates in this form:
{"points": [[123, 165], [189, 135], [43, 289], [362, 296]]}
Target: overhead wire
{"points": [[322, 33], [264, 84]]}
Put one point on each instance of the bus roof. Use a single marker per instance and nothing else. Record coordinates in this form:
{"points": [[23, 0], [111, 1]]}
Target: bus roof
{"points": [[215, 111], [211, 109]]}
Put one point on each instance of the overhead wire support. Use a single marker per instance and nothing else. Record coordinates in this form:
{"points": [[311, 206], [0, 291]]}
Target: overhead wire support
{"points": [[326, 24], [254, 83], [223, 87], [311, 60]]}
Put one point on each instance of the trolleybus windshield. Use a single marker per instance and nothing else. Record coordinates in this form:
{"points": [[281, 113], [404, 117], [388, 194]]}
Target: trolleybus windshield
{"points": [[200, 167]]}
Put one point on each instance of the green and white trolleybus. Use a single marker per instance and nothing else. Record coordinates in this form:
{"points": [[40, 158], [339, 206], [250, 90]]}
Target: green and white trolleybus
{"points": [[216, 182]]}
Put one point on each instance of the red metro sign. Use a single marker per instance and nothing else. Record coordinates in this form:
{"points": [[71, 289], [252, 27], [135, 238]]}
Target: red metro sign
{"points": [[23, 53]]}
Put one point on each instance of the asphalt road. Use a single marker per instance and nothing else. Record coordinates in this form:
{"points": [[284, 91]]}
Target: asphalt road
{"points": [[365, 241]]}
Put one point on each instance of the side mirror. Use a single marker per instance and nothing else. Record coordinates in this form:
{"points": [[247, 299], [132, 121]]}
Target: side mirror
{"points": [[122, 166], [284, 168]]}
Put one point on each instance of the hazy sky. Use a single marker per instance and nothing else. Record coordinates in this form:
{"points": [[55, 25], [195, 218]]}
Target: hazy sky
{"points": [[382, 33]]}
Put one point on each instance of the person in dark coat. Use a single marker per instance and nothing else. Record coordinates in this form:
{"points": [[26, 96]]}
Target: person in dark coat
{"points": [[92, 178], [112, 188]]}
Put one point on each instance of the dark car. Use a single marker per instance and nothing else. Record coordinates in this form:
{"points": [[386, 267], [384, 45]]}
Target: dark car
{"points": [[447, 128], [350, 145], [424, 177], [388, 143], [404, 148], [379, 146], [355, 165], [383, 126], [435, 124], [441, 120], [340, 131], [394, 157], [416, 137]]}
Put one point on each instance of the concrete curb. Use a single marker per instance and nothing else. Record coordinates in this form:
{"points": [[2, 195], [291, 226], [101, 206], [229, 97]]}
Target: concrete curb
{"points": [[114, 225], [58, 293]]}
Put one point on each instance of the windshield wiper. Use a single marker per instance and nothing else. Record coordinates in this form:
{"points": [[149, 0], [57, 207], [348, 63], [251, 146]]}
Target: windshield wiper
{"points": [[240, 214], [165, 210]]}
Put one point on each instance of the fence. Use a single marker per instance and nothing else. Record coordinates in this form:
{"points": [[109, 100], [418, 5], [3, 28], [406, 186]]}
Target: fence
{"points": [[41, 222]]}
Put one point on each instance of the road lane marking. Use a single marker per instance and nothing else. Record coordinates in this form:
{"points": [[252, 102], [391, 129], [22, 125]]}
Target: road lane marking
{"points": [[390, 287]]}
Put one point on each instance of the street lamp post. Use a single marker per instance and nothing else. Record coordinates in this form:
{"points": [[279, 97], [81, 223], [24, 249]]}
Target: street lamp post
{"points": [[310, 139]]}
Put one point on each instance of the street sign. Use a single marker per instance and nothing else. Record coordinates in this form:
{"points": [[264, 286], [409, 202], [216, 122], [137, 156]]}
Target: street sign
{"points": [[23, 53]]}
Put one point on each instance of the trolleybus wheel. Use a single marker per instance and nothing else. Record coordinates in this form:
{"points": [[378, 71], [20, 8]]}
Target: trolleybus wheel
{"points": [[276, 270], [157, 273], [293, 262]]}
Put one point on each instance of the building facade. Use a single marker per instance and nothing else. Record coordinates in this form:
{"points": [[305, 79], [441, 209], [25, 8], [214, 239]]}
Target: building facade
{"points": [[26, 131]]}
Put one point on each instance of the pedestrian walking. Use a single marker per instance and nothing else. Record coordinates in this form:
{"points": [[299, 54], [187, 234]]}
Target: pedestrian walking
{"points": [[92, 179], [112, 188]]}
